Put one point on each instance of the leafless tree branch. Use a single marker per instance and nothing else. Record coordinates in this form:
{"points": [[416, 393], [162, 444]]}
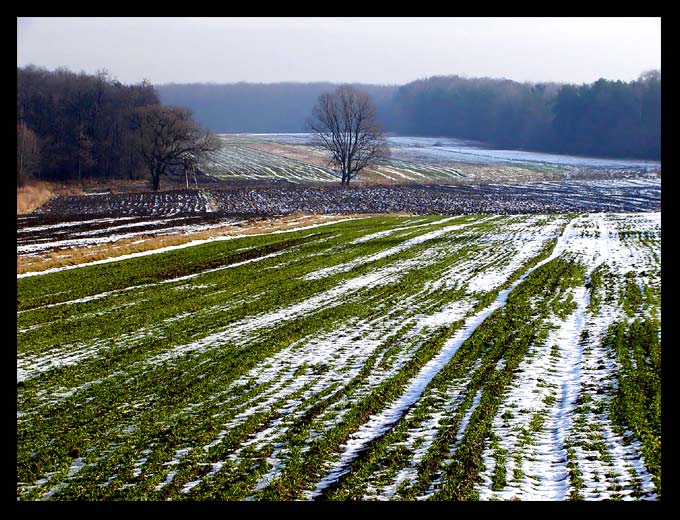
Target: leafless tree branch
{"points": [[169, 137], [345, 124]]}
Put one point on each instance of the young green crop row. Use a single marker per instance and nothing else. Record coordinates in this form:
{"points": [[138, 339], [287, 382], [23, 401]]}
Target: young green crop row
{"points": [[156, 304], [567, 385], [274, 367]]}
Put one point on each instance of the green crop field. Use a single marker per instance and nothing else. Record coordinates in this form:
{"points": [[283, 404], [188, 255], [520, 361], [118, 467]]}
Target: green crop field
{"points": [[391, 357]]}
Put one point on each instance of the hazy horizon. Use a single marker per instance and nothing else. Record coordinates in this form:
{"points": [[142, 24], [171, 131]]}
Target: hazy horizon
{"points": [[378, 51]]}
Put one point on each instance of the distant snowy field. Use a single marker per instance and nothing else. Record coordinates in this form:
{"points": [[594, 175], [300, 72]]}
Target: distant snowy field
{"points": [[439, 149]]}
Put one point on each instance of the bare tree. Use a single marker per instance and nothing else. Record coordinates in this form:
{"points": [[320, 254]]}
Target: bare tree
{"points": [[345, 123], [170, 138], [28, 153], [86, 158]]}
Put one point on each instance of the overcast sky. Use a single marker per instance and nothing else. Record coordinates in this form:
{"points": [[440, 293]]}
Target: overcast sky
{"points": [[365, 50]]}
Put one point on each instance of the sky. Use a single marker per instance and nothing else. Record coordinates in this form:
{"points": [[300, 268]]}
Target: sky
{"points": [[390, 51]]}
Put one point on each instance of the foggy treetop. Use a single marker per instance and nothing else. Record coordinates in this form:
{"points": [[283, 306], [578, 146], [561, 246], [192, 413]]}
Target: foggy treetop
{"points": [[82, 121], [607, 118]]}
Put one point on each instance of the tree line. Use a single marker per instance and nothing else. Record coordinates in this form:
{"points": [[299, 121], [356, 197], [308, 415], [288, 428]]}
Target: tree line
{"points": [[73, 126], [259, 107], [609, 118]]}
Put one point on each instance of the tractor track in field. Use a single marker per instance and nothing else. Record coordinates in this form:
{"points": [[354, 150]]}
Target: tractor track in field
{"points": [[371, 359]]}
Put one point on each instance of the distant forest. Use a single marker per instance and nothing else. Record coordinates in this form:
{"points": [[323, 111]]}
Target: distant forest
{"points": [[75, 125], [605, 118], [258, 107]]}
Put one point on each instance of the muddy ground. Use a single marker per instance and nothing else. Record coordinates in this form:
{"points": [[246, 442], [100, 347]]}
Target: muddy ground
{"points": [[259, 200]]}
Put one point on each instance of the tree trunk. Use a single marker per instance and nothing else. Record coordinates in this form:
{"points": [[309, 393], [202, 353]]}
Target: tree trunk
{"points": [[21, 159], [156, 179], [22, 141], [131, 166]]}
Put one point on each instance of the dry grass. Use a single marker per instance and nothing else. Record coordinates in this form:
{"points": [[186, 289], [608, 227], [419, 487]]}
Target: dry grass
{"points": [[33, 195], [74, 256]]}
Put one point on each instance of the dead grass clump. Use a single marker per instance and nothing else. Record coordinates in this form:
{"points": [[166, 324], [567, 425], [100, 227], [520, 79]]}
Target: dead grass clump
{"points": [[33, 195]]}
